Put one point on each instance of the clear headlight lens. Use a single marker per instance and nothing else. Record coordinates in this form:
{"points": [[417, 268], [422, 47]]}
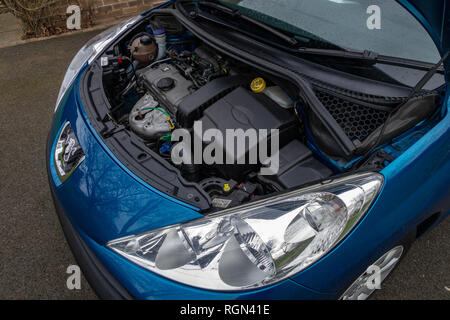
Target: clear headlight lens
{"points": [[257, 244], [68, 153], [88, 52]]}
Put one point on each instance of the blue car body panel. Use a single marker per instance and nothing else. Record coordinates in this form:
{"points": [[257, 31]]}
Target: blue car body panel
{"points": [[104, 201]]}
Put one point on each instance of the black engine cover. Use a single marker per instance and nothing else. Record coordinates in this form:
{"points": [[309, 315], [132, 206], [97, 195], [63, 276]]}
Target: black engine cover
{"points": [[245, 110]]}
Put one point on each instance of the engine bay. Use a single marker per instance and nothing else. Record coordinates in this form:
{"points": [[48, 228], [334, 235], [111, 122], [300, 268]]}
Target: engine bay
{"points": [[161, 77]]}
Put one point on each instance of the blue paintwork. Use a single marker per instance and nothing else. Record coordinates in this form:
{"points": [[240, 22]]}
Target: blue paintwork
{"points": [[105, 201]]}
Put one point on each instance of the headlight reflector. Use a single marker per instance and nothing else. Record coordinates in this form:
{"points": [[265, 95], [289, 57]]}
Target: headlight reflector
{"points": [[256, 244]]}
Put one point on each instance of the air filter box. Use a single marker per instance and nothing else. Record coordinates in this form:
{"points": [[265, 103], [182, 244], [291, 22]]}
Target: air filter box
{"points": [[297, 167]]}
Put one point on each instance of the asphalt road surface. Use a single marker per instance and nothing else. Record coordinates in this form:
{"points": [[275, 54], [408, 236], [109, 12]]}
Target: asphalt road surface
{"points": [[34, 255]]}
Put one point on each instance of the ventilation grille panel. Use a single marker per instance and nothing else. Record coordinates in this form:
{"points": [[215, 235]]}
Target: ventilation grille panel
{"points": [[357, 121]]}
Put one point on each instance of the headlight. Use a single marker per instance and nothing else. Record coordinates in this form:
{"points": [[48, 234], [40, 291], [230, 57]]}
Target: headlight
{"points": [[88, 53], [257, 244], [68, 153]]}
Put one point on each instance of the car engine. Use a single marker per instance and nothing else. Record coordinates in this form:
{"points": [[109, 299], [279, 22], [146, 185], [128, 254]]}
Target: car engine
{"points": [[160, 94], [192, 83]]}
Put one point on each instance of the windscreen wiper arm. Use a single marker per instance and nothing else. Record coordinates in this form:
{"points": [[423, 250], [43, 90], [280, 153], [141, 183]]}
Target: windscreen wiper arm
{"points": [[235, 13], [366, 56], [371, 57]]}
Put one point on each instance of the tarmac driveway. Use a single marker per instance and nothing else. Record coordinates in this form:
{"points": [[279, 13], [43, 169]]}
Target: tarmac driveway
{"points": [[34, 255]]}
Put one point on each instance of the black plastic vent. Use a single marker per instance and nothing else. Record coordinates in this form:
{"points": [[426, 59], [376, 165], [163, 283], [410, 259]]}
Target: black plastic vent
{"points": [[357, 120]]}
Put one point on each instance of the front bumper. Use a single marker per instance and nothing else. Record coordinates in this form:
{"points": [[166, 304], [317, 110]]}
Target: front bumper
{"points": [[100, 279], [107, 287]]}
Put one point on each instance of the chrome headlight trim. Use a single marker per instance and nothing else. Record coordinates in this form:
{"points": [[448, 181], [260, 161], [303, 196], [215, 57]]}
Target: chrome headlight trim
{"points": [[257, 244], [68, 154]]}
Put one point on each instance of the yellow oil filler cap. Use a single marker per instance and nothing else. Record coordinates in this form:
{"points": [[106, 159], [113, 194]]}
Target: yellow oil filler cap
{"points": [[258, 85]]}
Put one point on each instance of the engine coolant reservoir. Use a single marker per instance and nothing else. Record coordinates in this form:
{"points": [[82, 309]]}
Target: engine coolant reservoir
{"points": [[275, 93]]}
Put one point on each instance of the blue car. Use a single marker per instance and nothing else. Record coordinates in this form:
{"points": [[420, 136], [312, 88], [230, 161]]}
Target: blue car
{"points": [[239, 149]]}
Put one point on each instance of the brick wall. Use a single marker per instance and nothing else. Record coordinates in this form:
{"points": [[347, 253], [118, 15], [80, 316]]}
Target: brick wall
{"points": [[108, 10], [51, 19], [47, 17]]}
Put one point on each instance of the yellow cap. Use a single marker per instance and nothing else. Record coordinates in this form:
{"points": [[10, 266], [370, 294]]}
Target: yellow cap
{"points": [[171, 125], [258, 85], [226, 187]]}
